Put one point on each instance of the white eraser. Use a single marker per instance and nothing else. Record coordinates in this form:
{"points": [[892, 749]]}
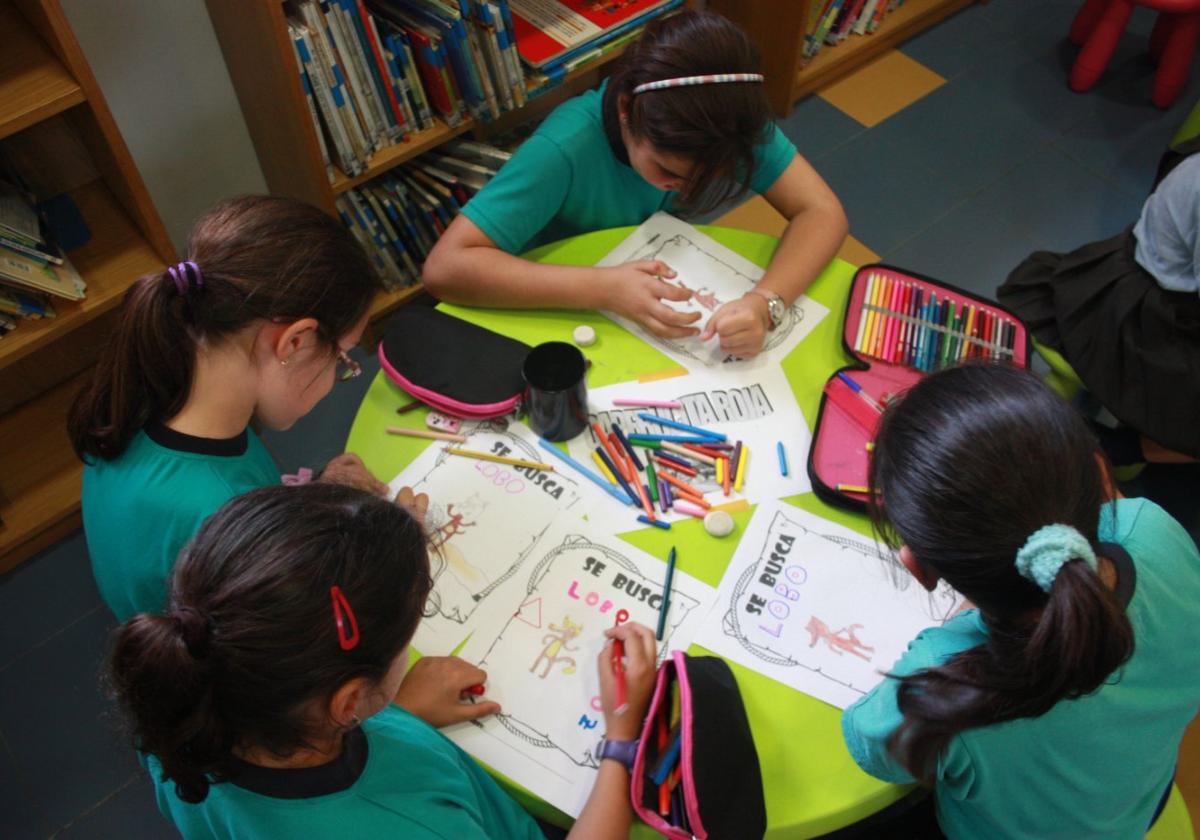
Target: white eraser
{"points": [[718, 523], [584, 336]]}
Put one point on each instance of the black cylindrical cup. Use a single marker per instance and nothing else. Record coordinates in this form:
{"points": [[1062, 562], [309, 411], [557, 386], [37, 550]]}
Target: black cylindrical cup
{"points": [[556, 390]]}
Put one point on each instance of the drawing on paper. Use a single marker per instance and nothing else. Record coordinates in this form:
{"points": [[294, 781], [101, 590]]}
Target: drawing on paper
{"points": [[838, 641], [703, 263], [817, 607], [557, 641]]}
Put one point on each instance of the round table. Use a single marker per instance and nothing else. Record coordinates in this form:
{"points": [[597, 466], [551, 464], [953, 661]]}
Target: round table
{"points": [[811, 784]]}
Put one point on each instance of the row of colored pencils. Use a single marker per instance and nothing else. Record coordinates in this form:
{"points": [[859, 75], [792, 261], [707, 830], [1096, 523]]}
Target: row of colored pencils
{"points": [[903, 322]]}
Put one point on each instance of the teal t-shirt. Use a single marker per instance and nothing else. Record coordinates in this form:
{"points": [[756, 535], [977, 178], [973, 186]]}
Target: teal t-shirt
{"points": [[415, 785], [141, 508], [565, 180], [1091, 767]]}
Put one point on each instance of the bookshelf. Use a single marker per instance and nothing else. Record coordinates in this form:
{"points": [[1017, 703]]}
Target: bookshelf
{"points": [[779, 30], [254, 40], [44, 76]]}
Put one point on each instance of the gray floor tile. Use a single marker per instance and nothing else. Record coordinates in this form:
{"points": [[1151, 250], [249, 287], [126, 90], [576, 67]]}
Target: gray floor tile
{"points": [[45, 594], [59, 727], [970, 247], [130, 812], [1059, 203], [817, 128], [959, 43], [21, 818]]}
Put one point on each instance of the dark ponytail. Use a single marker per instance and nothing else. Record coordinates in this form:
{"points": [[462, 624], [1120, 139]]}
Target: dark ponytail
{"points": [[967, 466], [261, 258], [714, 126], [251, 637]]}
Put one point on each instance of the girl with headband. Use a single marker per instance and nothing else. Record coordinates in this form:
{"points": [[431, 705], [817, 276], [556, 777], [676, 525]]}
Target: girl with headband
{"points": [[253, 325], [1056, 705], [271, 698], [682, 125]]}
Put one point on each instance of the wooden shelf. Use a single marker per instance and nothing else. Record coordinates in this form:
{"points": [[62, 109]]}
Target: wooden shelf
{"points": [[834, 62], [41, 480], [417, 143], [34, 84], [116, 255]]}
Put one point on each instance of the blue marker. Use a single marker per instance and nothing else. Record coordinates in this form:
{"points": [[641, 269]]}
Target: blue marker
{"points": [[599, 481], [673, 439], [657, 523], [782, 458], [683, 427], [858, 389], [625, 443]]}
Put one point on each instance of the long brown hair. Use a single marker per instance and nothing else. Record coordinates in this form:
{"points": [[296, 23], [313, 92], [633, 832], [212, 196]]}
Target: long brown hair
{"points": [[261, 258], [966, 466], [714, 126], [250, 636]]}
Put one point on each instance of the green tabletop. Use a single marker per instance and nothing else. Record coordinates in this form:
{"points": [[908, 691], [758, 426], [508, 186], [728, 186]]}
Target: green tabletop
{"points": [[812, 785]]}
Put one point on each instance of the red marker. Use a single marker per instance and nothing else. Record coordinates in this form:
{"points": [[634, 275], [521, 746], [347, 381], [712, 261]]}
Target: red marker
{"points": [[475, 690], [619, 666]]}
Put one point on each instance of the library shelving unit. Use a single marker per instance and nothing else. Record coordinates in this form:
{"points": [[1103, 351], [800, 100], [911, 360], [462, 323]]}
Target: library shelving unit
{"points": [[254, 39], [44, 77], [779, 28]]}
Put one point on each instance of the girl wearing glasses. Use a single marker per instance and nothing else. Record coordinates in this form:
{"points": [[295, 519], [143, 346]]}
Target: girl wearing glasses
{"points": [[255, 324]]}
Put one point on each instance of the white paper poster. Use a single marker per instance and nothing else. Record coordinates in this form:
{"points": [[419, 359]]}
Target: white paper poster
{"points": [[483, 519], [759, 409], [818, 607], [716, 275], [542, 658]]}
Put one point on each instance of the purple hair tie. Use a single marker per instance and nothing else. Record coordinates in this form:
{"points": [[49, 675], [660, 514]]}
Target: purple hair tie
{"points": [[185, 274]]}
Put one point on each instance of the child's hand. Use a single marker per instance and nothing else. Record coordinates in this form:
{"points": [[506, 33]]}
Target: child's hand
{"points": [[640, 668], [433, 691], [637, 291], [742, 325], [415, 503], [349, 470]]}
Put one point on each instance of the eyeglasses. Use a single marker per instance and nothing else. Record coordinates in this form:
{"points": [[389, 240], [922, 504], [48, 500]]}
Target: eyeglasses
{"points": [[347, 368]]}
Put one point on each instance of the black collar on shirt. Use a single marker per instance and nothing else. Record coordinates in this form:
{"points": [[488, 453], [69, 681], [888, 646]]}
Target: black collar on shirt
{"points": [[1126, 571], [306, 782], [171, 439]]}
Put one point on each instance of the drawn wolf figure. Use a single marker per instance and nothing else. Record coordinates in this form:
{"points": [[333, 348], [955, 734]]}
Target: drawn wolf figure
{"points": [[555, 643]]}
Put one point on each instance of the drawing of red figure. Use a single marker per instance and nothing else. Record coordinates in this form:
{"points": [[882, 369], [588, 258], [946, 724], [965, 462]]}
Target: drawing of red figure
{"points": [[454, 526], [839, 640]]}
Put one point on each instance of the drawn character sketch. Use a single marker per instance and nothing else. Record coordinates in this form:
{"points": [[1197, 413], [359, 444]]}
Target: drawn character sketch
{"points": [[707, 300], [838, 641], [556, 642]]}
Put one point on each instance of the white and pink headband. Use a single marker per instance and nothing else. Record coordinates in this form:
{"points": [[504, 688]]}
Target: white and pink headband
{"points": [[687, 81]]}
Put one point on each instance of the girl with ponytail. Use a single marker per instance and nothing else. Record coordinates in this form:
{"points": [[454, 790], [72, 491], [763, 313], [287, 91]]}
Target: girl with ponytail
{"points": [[252, 325], [1055, 706], [271, 697]]}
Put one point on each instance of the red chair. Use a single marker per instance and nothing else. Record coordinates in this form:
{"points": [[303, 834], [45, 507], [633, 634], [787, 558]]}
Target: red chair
{"points": [[1098, 26]]}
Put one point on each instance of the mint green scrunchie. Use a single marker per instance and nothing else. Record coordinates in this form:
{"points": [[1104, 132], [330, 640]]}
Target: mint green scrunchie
{"points": [[1047, 549]]}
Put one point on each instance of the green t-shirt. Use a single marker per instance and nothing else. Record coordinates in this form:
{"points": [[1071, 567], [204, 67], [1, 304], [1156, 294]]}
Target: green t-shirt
{"points": [[565, 180], [140, 509], [415, 784], [1091, 767]]}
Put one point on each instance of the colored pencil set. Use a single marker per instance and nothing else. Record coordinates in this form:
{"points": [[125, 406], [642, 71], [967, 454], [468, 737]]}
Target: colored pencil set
{"points": [[905, 323], [664, 771]]}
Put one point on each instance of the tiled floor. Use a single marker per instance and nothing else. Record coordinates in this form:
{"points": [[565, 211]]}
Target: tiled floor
{"points": [[959, 181]]}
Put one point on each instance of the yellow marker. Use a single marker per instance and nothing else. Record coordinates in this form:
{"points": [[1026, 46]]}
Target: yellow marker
{"points": [[741, 468], [853, 488], [720, 471], [968, 330], [870, 446], [604, 470], [500, 459], [872, 315]]}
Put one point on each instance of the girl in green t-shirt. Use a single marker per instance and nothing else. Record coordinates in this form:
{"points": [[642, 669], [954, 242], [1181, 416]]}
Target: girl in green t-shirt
{"points": [[272, 698], [253, 325], [682, 125], [1053, 707]]}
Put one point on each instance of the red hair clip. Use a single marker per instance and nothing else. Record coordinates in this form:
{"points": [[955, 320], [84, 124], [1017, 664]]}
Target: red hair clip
{"points": [[344, 616]]}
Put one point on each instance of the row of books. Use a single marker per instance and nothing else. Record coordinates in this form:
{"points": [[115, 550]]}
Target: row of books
{"points": [[399, 215], [374, 71], [833, 21], [32, 269]]}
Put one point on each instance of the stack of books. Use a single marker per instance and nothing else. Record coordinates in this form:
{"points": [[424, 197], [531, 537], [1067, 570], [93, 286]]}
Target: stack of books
{"points": [[400, 214], [833, 21], [32, 269], [375, 71]]}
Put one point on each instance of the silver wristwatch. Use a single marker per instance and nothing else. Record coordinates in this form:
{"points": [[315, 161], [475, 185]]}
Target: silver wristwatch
{"points": [[776, 308]]}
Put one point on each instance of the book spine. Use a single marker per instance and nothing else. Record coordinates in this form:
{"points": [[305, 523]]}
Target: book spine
{"points": [[338, 136], [350, 57], [369, 36], [323, 60], [415, 88]]}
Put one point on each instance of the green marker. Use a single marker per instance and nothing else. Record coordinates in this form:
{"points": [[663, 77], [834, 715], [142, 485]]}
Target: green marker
{"points": [[651, 482]]}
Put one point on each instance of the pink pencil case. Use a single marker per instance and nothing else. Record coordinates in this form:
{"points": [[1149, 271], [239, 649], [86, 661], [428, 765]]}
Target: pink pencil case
{"points": [[453, 366], [899, 326], [697, 739]]}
